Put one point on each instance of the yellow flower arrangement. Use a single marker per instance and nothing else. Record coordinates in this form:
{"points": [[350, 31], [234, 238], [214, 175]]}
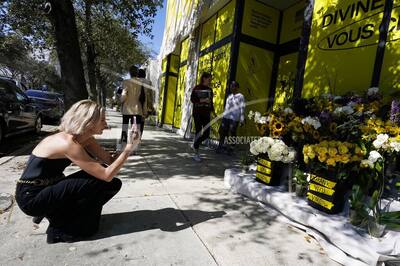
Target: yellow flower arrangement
{"points": [[333, 152], [373, 127]]}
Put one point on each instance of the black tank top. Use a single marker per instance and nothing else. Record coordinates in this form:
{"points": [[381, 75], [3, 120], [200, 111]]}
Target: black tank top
{"points": [[44, 168]]}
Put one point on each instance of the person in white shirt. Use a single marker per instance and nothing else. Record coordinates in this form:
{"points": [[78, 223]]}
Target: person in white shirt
{"points": [[232, 117]]}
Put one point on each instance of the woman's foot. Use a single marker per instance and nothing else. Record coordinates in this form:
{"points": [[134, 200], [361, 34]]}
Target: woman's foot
{"points": [[55, 235]]}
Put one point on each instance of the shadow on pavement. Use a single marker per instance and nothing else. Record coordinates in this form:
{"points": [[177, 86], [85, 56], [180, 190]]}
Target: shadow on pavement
{"points": [[168, 219]]}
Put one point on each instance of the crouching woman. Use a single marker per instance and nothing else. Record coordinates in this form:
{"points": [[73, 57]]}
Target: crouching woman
{"points": [[72, 203]]}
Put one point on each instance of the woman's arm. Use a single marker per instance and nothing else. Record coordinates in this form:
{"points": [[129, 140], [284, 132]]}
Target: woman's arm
{"points": [[94, 148], [77, 154]]}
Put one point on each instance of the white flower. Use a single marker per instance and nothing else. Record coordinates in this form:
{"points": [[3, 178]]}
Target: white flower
{"points": [[348, 110], [374, 156], [263, 120], [288, 110], [372, 91], [257, 116], [290, 156], [367, 162], [311, 121], [395, 145], [253, 146], [250, 115], [276, 149], [308, 177], [381, 141]]}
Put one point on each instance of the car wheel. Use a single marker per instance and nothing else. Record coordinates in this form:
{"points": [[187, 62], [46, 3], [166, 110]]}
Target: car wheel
{"points": [[38, 125]]}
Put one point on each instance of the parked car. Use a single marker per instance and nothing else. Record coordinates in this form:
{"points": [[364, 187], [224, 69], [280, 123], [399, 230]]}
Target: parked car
{"points": [[18, 114], [51, 104]]}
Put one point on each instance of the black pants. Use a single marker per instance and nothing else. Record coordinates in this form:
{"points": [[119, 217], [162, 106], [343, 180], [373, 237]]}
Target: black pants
{"points": [[228, 128], [128, 120], [201, 120], [73, 205]]}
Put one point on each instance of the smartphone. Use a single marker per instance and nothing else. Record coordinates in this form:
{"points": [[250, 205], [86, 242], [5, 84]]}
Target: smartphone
{"points": [[135, 129]]}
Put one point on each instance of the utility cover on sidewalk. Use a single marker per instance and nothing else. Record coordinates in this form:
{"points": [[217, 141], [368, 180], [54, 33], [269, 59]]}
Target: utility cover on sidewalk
{"points": [[6, 201]]}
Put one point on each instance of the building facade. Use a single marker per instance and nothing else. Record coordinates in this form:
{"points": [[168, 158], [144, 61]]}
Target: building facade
{"points": [[277, 51]]}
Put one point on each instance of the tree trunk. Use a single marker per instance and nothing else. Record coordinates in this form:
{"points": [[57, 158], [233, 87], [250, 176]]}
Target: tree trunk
{"points": [[62, 17], [101, 86], [90, 52]]}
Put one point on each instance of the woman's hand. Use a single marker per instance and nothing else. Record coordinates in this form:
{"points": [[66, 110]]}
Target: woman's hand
{"points": [[133, 138]]}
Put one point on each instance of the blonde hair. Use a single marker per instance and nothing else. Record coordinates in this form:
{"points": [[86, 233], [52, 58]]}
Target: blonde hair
{"points": [[82, 116]]}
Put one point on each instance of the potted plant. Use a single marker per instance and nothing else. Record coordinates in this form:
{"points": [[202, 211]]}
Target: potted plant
{"points": [[330, 164], [273, 155]]}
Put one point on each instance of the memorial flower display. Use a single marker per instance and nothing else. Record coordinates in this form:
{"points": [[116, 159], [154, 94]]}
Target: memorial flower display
{"points": [[341, 142]]}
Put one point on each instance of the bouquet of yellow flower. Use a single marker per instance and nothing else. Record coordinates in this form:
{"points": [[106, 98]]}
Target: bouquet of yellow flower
{"points": [[272, 124], [333, 153], [375, 126]]}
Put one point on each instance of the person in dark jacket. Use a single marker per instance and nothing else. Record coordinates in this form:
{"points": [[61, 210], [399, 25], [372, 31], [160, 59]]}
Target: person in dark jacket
{"points": [[202, 99]]}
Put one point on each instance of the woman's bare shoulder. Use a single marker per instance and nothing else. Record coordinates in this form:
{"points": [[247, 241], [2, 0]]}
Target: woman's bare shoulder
{"points": [[55, 146]]}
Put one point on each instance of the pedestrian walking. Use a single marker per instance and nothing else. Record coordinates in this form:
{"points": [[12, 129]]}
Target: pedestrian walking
{"points": [[73, 203], [145, 97], [202, 99], [133, 101], [233, 116]]}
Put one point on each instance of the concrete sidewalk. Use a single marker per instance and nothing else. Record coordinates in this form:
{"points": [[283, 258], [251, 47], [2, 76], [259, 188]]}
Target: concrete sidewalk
{"points": [[171, 210]]}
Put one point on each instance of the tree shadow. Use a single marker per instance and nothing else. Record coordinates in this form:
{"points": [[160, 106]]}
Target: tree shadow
{"points": [[167, 219]]}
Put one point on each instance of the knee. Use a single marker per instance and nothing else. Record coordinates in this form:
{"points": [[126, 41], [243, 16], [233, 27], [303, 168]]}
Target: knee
{"points": [[116, 184]]}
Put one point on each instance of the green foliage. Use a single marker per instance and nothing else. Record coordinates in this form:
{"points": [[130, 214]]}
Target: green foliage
{"points": [[300, 177], [114, 28], [358, 209]]}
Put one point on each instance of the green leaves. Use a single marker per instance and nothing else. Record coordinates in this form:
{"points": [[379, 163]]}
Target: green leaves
{"points": [[391, 220]]}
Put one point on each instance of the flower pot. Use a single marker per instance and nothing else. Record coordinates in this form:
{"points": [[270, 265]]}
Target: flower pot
{"points": [[269, 172], [326, 193], [375, 229]]}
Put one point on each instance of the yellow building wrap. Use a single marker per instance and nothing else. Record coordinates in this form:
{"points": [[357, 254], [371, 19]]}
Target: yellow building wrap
{"points": [[253, 73], [225, 21], [174, 64], [170, 102], [220, 68], [390, 75], [180, 93], [260, 21], [164, 65], [292, 22], [184, 50], [208, 33], [205, 65], [285, 80], [161, 99], [342, 47]]}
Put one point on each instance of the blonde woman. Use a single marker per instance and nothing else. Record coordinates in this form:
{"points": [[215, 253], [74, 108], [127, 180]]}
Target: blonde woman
{"points": [[72, 204]]}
